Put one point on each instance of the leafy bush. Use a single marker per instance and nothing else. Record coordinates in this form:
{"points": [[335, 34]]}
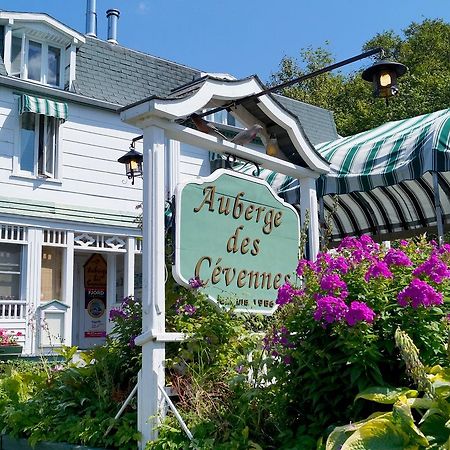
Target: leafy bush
{"points": [[75, 401], [414, 422], [334, 332]]}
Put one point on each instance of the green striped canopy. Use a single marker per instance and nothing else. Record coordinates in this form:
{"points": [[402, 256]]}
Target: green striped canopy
{"points": [[383, 178], [37, 105], [380, 181], [394, 152]]}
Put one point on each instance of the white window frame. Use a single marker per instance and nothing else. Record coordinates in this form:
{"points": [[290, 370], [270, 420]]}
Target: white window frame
{"points": [[57, 165], [22, 269], [44, 57]]}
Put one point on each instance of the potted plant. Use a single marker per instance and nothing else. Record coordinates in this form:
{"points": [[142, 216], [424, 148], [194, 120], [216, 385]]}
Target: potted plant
{"points": [[8, 343]]}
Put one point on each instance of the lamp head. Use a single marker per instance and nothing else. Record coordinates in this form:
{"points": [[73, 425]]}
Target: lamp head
{"points": [[133, 164], [383, 75]]}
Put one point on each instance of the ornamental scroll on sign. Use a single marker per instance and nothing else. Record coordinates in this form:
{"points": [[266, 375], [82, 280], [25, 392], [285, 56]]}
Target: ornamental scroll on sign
{"points": [[236, 235]]}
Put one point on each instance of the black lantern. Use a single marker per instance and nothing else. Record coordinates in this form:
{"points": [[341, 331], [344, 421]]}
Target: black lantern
{"points": [[133, 164], [383, 75]]}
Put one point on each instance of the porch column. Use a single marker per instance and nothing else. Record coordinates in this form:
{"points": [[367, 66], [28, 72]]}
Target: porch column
{"points": [[151, 402], [308, 202], [110, 288], [33, 288], [67, 287], [128, 276]]}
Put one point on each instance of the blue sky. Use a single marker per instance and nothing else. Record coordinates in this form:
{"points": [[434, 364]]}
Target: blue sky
{"points": [[242, 37]]}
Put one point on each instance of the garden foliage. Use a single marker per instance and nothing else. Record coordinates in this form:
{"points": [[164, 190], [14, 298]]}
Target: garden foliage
{"points": [[75, 400], [331, 338]]}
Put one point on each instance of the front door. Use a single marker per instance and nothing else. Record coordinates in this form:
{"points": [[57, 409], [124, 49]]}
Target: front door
{"points": [[89, 300]]}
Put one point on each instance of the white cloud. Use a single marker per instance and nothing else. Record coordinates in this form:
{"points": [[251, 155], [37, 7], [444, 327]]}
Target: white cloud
{"points": [[144, 7]]}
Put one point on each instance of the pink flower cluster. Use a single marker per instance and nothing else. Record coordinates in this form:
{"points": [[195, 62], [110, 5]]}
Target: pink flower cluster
{"points": [[419, 293], [395, 257], [286, 293], [433, 268], [331, 309], [9, 338]]}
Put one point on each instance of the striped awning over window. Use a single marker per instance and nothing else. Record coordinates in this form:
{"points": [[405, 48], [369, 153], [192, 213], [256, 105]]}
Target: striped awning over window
{"points": [[37, 105], [381, 181]]}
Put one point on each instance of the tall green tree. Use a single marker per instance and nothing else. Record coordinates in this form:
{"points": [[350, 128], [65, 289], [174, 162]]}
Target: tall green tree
{"points": [[423, 47]]}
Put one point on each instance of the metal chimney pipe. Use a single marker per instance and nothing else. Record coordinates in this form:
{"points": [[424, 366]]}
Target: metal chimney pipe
{"points": [[91, 18], [113, 17]]}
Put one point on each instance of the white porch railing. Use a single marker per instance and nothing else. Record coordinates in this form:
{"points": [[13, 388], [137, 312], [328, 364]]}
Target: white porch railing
{"points": [[12, 310]]}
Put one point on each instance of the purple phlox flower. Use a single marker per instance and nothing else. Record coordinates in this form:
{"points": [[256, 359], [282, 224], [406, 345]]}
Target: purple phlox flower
{"points": [[340, 264], [239, 369], [359, 312], [132, 342], [330, 309], [419, 293], [395, 257], [286, 294], [378, 269], [302, 265], [195, 283], [404, 243], [349, 243], [287, 360], [368, 243], [333, 284], [189, 310], [277, 340], [435, 269], [126, 301], [445, 248], [115, 313]]}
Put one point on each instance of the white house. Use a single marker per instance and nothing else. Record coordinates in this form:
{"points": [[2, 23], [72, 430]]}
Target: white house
{"points": [[70, 248]]}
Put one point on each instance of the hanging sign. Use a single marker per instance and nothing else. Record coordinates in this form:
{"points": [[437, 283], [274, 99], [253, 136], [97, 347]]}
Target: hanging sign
{"points": [[238, 237], [95, 272]]}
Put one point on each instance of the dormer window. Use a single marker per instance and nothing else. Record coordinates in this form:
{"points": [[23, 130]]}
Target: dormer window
{"points": [[36, 61], [38, 48]]}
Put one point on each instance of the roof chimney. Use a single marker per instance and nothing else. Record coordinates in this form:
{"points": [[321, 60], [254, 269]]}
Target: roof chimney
{"points": [[113, 18], [91, 18]]}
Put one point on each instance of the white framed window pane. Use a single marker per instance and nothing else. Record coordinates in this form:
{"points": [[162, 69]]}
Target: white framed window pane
{"points": [[27, 142], [16, 48], [50, 146], [54, 64], [10, 271], [51, 273], [34, 60]]}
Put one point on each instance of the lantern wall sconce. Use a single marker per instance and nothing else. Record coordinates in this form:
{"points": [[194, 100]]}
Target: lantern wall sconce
{"points": [[133, 163], [383, 75]]}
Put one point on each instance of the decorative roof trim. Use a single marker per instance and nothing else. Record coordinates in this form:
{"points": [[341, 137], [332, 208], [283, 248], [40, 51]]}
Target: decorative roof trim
{"points": [[46, 19], [225, 91]]}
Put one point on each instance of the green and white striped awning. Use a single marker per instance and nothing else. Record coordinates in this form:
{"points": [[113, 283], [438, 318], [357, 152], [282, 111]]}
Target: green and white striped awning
{"points": [[383, 178], [37, 105]]}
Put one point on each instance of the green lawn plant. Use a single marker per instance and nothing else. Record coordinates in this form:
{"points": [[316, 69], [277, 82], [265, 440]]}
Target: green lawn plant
{"points": [[419, 419], [75, 400]]}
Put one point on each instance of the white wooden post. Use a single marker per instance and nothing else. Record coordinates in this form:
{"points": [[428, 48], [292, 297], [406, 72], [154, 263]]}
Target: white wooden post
{"points": [[308, 202], [111, 273], [128, 276], [151, 402], [68, 270]]}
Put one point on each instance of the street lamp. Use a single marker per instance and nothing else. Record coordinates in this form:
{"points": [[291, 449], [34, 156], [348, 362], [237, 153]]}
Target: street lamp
{"points": [[133, 163], [383, 75]]}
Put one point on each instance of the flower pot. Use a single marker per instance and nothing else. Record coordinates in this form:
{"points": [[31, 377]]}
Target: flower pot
{"points": [[10, 351]]}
